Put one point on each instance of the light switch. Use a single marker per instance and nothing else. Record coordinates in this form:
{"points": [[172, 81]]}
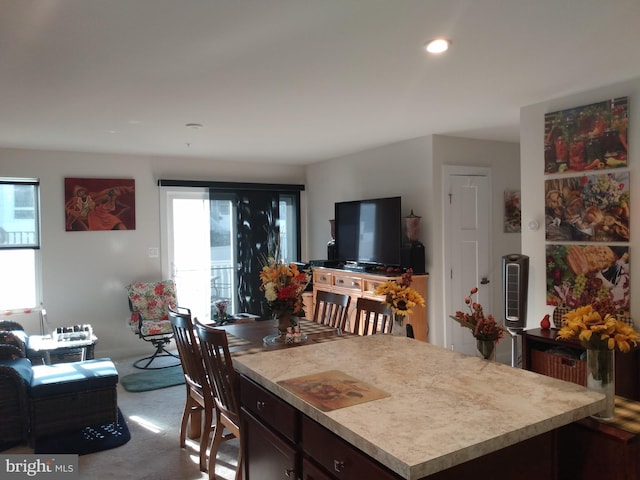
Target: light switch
{"points": [[153, 252]]}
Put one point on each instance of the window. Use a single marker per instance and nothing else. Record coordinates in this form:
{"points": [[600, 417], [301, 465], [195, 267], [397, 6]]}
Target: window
{"points": [[19, 243]]}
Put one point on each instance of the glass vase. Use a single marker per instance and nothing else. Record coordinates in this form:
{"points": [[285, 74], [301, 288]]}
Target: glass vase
{"points": [[399, 328], [283, 322], [601, 378], [486, 348]]}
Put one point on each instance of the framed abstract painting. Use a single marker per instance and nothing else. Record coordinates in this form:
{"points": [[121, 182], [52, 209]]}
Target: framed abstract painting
{"points": [[99, 204]]}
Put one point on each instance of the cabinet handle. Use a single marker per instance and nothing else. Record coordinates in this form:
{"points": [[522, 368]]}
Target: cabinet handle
{"points": [[338, 466], [355, 284], [260, 405], [288, 472], [340, 281]]}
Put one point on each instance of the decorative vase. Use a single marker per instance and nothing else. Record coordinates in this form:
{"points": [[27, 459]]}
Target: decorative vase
{"points": [[412, 226], [601, 378], [486, 348], [284, 321], [398, 325]]}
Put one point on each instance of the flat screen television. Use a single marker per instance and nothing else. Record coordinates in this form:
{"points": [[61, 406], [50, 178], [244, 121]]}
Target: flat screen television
{"points": [[369, 231]]}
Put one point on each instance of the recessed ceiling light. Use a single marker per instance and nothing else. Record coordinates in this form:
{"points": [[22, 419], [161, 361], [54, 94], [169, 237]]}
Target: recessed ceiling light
{"points": [[438, 45], [194, 126]]}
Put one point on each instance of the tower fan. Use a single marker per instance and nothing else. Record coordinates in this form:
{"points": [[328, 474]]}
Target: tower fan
{"points": [[515, 284], [515, 275]]}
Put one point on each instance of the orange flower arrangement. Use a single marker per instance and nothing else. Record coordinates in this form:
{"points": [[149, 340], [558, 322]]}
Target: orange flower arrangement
{"points": [[283, 286]]}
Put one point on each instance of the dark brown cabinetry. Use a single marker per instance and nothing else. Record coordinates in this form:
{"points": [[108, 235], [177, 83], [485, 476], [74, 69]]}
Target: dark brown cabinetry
{"points": [[279, 442], [589, 449]]}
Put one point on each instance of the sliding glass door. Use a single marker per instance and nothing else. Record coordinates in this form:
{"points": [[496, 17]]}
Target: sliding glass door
{"points": [[215, 241]]}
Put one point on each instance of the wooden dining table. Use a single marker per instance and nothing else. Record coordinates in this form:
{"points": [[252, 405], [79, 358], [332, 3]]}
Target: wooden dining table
{"points": [[248, 337]]}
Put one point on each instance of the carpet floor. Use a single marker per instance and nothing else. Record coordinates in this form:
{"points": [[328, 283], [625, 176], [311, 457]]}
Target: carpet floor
{"points": [[154, 450]]}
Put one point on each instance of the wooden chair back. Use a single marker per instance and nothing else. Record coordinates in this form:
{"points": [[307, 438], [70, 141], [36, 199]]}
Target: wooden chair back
{"points": [[223, 379], [332, 309], [188, 348], [199, 395], [372, 316]]}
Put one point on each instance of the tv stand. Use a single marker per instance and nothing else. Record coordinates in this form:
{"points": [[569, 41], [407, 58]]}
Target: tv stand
{"points": [[362, 284], [354, 267]]}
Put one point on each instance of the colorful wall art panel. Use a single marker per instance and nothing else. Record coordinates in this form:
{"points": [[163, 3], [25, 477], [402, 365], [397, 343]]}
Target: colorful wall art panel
{"points": [[581, 274], [587, 138], [99, 204], [588, 208]]}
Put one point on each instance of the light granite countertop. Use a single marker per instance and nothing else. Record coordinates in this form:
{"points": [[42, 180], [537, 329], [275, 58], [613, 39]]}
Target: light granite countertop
{"points": [[444, 408]]}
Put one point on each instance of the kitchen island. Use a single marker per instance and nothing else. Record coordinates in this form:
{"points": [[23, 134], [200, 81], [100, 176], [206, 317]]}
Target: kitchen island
{"points": [[441, 409]]}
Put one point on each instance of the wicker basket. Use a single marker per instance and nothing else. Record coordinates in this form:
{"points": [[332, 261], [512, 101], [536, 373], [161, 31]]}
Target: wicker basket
{"points": [[559, 366]]}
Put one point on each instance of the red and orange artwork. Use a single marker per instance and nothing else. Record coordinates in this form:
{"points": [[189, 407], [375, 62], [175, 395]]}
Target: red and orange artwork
{"points": [[98, 204]]}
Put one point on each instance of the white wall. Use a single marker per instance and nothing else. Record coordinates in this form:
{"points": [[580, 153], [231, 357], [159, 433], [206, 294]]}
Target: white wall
{"points": [[413, 169], [85, 273], [532, 176]]}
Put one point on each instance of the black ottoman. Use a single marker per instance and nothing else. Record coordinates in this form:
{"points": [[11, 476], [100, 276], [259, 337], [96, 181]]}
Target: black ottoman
{"points": [[70, 396]]}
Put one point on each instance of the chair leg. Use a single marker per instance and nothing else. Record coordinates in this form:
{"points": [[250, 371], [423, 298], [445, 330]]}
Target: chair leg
{"points": [[204, 438], [218, 430], [239, 470], [188, 406], [160, 352]]}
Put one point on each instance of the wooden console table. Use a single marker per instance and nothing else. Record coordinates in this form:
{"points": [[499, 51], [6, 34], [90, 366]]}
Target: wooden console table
{"points": [[362, 284]]}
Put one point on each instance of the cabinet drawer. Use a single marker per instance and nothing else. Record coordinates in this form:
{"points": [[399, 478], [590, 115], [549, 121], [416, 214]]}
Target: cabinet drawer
{"points": [[322, 278], [338, 457], [349, 283], [371, 285], [269, 409]]}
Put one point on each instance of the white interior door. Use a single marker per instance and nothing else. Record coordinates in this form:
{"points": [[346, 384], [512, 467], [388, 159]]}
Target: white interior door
{"points": [[467, 248]]}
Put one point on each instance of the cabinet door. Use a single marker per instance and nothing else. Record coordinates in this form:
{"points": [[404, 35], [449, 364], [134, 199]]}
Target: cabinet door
{"points": [[311, 472], [265, 454]]}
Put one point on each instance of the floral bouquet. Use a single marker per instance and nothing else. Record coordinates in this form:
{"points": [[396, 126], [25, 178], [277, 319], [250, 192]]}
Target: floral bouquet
{"points": [[597, 327], [399, 296], [482, 328], [283, 286]]}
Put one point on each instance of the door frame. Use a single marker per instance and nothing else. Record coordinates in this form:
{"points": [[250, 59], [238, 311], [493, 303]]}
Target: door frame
{"points": [[447, 172]]}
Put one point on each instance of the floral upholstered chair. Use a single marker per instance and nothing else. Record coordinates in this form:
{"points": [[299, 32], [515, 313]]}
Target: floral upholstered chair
{"points": [[149, 303]]}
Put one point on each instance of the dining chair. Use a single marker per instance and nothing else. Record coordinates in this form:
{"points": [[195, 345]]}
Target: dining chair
{"points": [[332, 309], [225, 385], [372, 316], [199, 395]]}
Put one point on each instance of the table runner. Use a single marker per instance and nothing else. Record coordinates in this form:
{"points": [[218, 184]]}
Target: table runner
{"points": [[627, 415]]}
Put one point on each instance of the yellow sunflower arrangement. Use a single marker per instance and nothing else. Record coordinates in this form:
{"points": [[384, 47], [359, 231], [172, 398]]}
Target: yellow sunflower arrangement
{"points": [[399, 296], [598, 331]]}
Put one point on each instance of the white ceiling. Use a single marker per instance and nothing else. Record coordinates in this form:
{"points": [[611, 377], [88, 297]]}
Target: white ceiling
{"points": [[294, 81]]}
